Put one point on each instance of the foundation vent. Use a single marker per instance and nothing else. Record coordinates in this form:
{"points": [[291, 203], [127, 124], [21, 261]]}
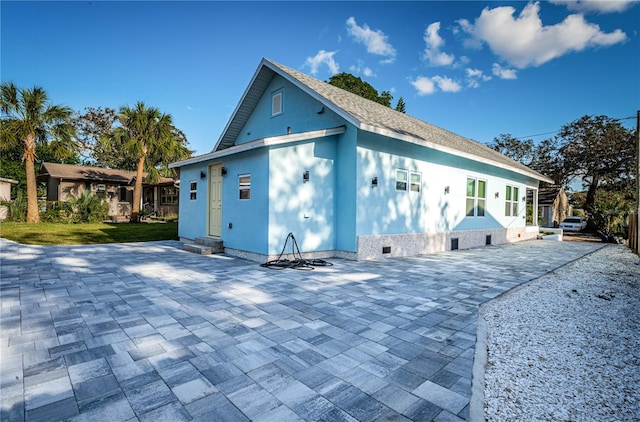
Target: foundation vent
{"points": [[454, 244], [386, 249]]}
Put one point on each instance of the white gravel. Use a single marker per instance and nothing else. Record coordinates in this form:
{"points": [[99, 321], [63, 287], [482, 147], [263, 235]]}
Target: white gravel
{"points": [[566, 347]]}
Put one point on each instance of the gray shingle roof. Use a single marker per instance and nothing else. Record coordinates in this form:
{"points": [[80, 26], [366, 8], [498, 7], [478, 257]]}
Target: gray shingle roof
{"points": [[366, 115], [88, 173]]}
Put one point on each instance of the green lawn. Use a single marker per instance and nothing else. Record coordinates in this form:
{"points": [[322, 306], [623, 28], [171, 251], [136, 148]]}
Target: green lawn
{"points": [[90, 233]]}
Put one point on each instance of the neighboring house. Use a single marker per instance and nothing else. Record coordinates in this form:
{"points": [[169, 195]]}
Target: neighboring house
{"points": [[348, 177], [5, 195], [553, 206], [65, 181]]}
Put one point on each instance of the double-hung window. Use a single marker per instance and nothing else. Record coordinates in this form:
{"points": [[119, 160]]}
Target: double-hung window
{"points": [[408, 181], [193, 190], [476, 197], [511, 201], [244, 185]]}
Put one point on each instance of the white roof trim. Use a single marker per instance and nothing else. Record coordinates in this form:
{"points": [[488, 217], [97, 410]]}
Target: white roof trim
{"points": [[259, 143], [424, 142]]}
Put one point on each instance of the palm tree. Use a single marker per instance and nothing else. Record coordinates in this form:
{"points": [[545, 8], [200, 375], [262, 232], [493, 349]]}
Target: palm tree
{"points": [[27, 120], [150, 137]]}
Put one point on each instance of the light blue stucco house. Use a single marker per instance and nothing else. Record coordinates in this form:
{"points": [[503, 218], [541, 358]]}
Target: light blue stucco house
{"points": [[348, 177]]}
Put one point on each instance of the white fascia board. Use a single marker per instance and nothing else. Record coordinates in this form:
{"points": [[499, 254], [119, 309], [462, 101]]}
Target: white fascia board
{"points": [[312, 93], [422, 142], [260, 143]]}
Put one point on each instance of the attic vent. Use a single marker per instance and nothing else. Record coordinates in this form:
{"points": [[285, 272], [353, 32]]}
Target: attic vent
{"points": [[276, 104]]}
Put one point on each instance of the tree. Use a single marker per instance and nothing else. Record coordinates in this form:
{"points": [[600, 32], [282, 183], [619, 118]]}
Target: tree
{"points": [[28, 120], [93, 128], [519, 150], [355, 85], [401, 106], [600, 151], [152, 139]]}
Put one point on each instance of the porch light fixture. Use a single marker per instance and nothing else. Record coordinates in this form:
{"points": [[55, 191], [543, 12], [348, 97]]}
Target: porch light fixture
{"points": [[374, 182], [497, 195], [203, 175], [305, 176], [446, 190], [223, 171], [524, 199]]}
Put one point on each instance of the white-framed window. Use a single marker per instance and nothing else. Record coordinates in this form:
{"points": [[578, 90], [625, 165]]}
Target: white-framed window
{"points": [[193, 189], [168, 195], [244, 186], [416, 182], [476, 197], [511, 201], [276, 103], [402, 180], [408, 180]]}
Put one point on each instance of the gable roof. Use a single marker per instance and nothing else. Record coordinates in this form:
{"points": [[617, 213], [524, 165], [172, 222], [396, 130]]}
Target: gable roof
{"points": [[96, 174], [365, 115]]}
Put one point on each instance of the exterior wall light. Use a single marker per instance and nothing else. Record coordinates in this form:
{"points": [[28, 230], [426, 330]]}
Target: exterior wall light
{"points": [[497, 195], [305, 176], [203, 175], [446, 190], [223, 171], [374, 182]]}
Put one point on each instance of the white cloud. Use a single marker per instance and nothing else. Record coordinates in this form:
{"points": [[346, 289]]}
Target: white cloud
{"points": [[503, 73], [424, 85], [475, 76], [427, 86], [446, 84], [603, 6], [360, 68], [375, 41], [323, 57], [524, 41], [432, 52]]}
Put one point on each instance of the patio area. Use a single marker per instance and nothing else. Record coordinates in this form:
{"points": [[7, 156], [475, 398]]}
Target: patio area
{"points": [[146, 331]]}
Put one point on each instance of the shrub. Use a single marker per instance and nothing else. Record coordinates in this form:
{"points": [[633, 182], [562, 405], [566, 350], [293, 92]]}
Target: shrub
{"points": [[88, 208], [609, 214], [16, 209]]}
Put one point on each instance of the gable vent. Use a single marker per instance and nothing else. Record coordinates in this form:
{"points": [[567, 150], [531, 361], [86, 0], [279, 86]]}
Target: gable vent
{"points": [[276, 104]]}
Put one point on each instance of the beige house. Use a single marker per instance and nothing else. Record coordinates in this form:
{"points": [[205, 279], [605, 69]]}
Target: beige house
{"points": [[553, 206], [65, 181], [5, 194]]}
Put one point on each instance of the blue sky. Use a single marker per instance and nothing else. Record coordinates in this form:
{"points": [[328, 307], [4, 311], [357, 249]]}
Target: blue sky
{"points": [[476, 68]]}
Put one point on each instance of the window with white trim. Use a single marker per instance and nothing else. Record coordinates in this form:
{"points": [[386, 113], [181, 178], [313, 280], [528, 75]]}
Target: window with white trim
{"points": [[193, 189], [476, 197], [244, 186], [416, 182], [168, 195], [402, 179], [511, 201], [276, 103]]}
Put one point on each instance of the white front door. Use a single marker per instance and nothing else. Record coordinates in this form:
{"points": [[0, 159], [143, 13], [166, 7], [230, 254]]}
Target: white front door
{"points": [[215, 200]]}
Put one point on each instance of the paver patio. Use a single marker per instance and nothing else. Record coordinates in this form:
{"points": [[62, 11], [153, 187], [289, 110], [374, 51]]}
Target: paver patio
{"points": [[149, 332]]}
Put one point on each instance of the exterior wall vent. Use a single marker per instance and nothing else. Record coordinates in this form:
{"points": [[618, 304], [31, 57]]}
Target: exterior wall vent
{"points": [[386, 249], [488, 240], [454, 244]]}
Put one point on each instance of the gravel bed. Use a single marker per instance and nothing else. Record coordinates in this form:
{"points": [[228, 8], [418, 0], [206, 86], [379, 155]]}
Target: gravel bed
{"points": [[566, 347]]}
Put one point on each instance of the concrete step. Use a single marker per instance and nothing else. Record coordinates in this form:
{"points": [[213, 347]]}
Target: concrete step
{"points": [[215, 244], [199, 249]]}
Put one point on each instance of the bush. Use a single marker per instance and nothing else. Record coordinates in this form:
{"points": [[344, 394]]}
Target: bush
{"points": [[609, 215], [88, 208], [16, 209], [57, 212]]}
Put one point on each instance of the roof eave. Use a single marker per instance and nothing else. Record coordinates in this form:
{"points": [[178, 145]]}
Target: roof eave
{"points": [[423, 142], [259, 143]]}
